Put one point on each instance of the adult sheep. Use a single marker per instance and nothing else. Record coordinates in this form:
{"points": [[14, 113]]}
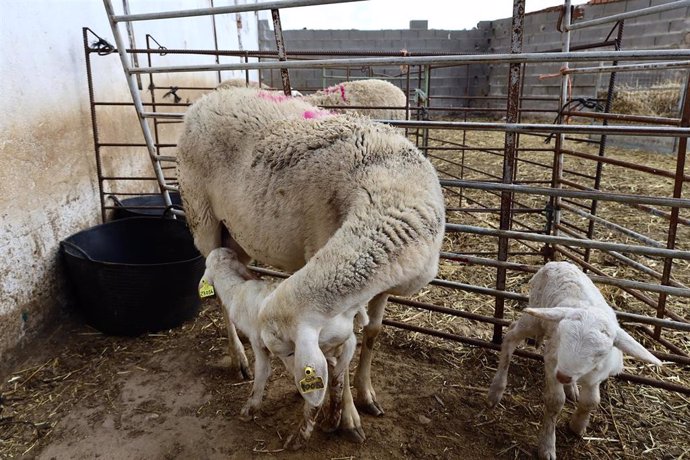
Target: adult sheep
{"points": [[363, 93], [350, 204]]}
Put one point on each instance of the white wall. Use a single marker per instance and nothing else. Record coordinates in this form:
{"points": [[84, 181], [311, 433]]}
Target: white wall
{"points": [[48, 186]]}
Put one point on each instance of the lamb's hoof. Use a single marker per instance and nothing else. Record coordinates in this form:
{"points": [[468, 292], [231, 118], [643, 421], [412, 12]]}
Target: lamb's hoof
{"points": [[372, 408], [331, 422], [247, 413], [355, 434], [572, 392], [577, 427], [245, 372], [547, 453], [294, 442], [494, 398]]}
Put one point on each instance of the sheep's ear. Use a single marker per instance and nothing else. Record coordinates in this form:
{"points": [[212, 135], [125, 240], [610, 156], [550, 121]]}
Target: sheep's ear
{"points": [[549, 314], [632, 347], [311, 368]]}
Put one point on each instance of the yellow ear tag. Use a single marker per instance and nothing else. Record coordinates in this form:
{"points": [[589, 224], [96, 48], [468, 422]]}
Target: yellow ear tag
{"points": [[311, 381], [206, 290]]}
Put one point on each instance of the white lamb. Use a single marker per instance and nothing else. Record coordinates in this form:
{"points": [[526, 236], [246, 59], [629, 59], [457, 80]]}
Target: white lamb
{"points": [[350, 204], [584, 345], [242, 297], [363, 93]]}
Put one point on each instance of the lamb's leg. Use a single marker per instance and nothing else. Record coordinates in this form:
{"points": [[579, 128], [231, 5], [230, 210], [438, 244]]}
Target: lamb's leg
{"points": [[262, 371], [517, 332], [306, 427], [572, 393], [238, 358], [589, 400], [554, 398], [366, 397]]}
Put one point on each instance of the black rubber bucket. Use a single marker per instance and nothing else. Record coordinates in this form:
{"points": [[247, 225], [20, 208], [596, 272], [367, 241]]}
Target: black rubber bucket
{"points": [[135, 275], [144, 206]]}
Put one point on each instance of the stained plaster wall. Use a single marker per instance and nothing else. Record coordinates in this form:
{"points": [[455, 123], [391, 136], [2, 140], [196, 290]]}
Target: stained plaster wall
{"points": [[48, 186]]}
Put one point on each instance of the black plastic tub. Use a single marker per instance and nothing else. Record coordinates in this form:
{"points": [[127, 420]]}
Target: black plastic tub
{"points": [[144, 206], [135, 275]]}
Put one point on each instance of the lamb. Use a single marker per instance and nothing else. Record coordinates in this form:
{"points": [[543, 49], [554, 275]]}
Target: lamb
{"points": [[584, 345], [367, 93], [240, 83], [349, 203], [242, 297]]}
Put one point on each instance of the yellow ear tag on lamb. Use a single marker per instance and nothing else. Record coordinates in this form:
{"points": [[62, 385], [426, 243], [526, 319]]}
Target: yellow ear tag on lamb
{"points": [[206, 290], [311, 381]]}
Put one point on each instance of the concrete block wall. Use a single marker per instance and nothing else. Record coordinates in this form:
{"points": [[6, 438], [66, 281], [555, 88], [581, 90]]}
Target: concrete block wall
{"points": [[452, 81], [657, 31]]}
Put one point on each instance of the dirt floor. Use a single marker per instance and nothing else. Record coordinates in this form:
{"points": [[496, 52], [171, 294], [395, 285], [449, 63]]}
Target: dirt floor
{"points": [[82, 395]]}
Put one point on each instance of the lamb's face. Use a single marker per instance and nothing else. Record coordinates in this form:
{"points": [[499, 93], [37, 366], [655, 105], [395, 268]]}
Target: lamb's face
{"points": [[585, 342]]}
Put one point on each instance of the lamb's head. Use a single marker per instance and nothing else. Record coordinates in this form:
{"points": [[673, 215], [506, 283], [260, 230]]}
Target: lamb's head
{"points": [[224, 263], [586, 337], [296, 342]]}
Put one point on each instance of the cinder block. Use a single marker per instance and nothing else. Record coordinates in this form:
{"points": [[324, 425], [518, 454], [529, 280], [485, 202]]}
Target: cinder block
{"points": [[677, 13], [634, 5], [679, 25], [668, 41], [614, 8], [656, 28], [393, 34]]}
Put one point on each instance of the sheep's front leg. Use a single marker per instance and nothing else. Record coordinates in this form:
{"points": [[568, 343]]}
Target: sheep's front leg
{"points": [[589, 400], [262, 371], [306, 427], [366, 397], [517, 332], [554, 398], [238, 358], [341, 412]]}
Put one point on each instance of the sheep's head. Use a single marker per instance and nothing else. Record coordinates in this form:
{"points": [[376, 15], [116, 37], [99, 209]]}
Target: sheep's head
{"points": [[223, 262], [586, 338], [297, 345]]}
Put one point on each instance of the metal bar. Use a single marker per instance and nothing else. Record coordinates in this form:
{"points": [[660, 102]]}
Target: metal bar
{"points": [[677, 193], [634, 249], [169, 115], [625, 164], [612, 226], [580, 194], [630, 14], [624, 117], [449, 311], [136, 97], [629, 67], [681, 292], [509, 163], [94, 124], [583, 56], [280, 47], [226, 9]]}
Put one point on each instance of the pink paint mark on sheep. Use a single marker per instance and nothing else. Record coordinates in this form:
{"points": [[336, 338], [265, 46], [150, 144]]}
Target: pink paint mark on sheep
{"points": [[273, 96], [313, 114], [337, 89]]}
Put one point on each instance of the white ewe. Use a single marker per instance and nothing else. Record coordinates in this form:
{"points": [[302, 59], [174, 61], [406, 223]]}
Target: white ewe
{"points": [[584, 345], [242, 297], [363, 93], [349, 203]]}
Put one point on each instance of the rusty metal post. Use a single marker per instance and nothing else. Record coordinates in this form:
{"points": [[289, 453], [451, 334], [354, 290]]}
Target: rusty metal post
{"points": [[602, 141], [560, 138], [280, 47], [94, 123], [677, 193], [512, 113]]}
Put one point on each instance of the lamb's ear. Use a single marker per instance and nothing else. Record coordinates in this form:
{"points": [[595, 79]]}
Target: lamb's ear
{"points": [[247, 274], [310, 368], [549, 314], [630, 346]]}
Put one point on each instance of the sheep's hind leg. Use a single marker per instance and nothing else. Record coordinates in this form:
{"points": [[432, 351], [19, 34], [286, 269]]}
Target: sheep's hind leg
{"points": [[239, 363], [366, 397], [262, 366]]}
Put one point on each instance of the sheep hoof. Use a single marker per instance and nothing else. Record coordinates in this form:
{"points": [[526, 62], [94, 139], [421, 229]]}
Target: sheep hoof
{"points": [[355, 434], [372, 408], [294, 442], [246, 373], [547, 453], [331, 422]]}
